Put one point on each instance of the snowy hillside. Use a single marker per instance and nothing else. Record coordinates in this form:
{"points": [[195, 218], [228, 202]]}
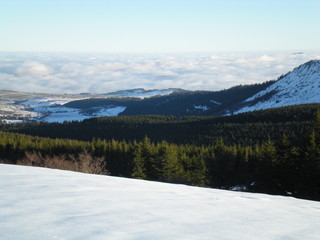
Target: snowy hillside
{"points": [[300, 86], [53, 110], [38, 203], [50, 108]]}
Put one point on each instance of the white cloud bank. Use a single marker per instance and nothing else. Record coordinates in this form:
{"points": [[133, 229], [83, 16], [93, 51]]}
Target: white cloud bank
{"points": [[99, 73], [33, 69]]}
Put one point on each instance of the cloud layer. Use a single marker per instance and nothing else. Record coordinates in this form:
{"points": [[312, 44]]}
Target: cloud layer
{"points": [[101, 73]]}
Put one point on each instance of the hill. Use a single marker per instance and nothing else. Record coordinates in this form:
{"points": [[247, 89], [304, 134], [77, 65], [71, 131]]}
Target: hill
{"points": [[300, 86]]}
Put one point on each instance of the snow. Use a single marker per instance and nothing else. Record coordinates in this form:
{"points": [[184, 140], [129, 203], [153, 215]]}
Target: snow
{"points": [[52, 110], [111, 111], [61, 114], [201, 107], [44, 104], [300, 86], [215, 102], [142, 93], [12, 121], [17, 111], [38, 203], [12, 113]]}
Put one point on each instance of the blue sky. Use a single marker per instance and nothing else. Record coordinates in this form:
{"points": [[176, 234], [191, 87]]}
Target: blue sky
{"points": [[159, 26]]}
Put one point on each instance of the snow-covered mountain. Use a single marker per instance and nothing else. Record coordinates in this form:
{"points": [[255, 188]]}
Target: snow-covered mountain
{"points": [[38, 203], [300, 86]]}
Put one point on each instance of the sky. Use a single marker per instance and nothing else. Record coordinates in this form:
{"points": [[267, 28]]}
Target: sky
{"points": [[98, 46], [152, 26]]}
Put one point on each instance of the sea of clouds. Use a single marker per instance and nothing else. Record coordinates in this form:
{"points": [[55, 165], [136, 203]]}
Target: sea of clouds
{"points": [[102, 73]]}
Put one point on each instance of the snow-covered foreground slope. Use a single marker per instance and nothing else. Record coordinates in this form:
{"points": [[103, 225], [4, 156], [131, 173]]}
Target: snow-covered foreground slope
{"points": [[300, 86], [39, 203]]}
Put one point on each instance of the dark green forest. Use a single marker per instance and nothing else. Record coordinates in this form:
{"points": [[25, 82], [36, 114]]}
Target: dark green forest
{"points": [[247, 129], [274, 151]]}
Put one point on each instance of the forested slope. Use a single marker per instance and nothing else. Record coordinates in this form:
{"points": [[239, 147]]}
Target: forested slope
{"points": [[245, 129], [180, 103]]}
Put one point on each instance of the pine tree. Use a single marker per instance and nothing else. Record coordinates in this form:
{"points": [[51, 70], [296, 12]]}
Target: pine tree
{"points": [[288, 166], [265, 174], [168, 164], [138, 163], [309, 186]]}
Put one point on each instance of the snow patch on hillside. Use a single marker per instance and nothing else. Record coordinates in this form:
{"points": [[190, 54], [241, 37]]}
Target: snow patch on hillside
{"points": [[61, 114], [38, 203], [110, 111], [141, 93], [201, 107], [215, 102], [52, 110], [13, 113]]}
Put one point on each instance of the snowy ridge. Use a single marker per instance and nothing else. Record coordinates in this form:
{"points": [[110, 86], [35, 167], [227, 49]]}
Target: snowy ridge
{"points": [[300, 86], [142, 93], [38, 203]]}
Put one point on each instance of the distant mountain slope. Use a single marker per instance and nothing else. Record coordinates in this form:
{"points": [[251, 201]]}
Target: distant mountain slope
{"points": [[300, 86], [178, 103]]}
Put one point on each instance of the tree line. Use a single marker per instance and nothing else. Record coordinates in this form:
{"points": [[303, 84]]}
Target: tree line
{"points": [[246, 129]]}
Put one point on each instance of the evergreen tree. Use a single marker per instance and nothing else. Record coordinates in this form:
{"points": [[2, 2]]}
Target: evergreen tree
{"points": [[168, 163], [287, 168], [139, 170]]}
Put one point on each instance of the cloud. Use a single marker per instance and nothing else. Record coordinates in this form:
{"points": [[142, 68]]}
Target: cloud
{"points": [[33, 69], [266, 58], [98, 73]]}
